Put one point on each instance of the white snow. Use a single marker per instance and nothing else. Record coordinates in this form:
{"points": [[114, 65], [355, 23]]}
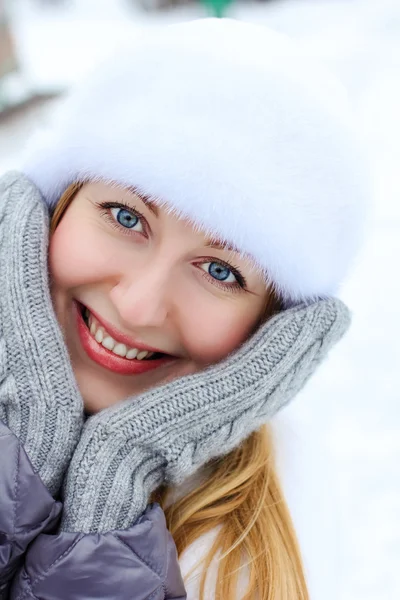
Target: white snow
{"points": [[349, 412]]}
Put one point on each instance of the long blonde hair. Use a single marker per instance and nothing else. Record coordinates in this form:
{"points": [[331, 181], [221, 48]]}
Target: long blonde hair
{"points": [[244, 499]]}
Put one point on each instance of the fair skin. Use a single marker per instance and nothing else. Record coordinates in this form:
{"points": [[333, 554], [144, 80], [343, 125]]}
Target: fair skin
{"points": [[156, 281]]}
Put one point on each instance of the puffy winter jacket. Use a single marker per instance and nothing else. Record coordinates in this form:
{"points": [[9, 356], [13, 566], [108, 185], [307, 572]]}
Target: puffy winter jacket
{"points": [[37, 563], [27, 512]]}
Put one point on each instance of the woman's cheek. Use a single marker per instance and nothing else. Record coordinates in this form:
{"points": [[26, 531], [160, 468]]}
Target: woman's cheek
{"points": [[213, 335], [77, 257]]}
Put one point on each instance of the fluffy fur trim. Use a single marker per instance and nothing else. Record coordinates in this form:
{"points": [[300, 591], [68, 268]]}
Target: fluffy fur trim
{"points": [[227, 124]]}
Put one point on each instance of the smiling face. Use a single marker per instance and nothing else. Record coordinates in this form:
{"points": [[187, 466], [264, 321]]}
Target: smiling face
{"points": [[129, 276]]}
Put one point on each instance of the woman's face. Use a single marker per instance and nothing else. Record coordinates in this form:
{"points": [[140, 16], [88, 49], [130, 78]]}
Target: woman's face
{"points": [[149, 281]]}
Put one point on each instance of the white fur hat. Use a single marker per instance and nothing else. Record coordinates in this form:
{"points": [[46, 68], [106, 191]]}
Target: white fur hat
{"points": [[226, 123]]}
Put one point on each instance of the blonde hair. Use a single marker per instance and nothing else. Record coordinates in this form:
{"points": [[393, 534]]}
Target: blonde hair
{"points": [[243, 497]]}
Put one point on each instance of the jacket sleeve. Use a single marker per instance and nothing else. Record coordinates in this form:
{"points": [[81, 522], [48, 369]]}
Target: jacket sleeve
{"points": [[26, 507], [37, 563], [139, 563]]}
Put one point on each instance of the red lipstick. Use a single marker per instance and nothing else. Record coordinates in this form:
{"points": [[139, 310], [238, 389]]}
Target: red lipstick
{"points": [[107, 359], [121, 337]]}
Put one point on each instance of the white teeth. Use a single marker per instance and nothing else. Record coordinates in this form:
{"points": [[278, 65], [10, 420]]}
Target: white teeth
{"points": [[131, 353], [120, 350], [103, 338], [99, 335], [108, 343]]}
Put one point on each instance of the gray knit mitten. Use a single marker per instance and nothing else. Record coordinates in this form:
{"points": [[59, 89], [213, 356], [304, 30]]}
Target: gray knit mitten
{"points": [[39, 398], [167, 433]]}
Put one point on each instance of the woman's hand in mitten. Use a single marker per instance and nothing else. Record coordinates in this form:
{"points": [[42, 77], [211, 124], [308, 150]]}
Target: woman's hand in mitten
{"points": [[167, 433], [39, 398]]}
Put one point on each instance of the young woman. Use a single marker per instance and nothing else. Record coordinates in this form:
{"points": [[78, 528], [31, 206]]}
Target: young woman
{"points": [[202, 195]]}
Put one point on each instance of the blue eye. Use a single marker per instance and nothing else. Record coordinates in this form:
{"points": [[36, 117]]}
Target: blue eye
{"points": [[126, 218], [219, 271]]}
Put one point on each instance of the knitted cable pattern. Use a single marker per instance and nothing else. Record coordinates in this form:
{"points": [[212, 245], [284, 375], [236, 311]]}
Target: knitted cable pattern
{"points": [[167, 433], [39, 398]]}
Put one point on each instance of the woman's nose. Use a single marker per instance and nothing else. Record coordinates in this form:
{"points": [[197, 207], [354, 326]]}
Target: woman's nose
{"points": [[142, 299]]}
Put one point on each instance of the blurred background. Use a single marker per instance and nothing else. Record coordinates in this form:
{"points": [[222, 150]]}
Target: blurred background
{"points": [[351, 407]]}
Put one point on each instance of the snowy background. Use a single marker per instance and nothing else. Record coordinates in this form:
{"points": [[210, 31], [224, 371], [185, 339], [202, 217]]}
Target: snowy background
{"points": [[350, 410]]}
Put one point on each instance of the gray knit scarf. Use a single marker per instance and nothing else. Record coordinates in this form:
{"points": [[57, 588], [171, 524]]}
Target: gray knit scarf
{"points": [[164, 435]]}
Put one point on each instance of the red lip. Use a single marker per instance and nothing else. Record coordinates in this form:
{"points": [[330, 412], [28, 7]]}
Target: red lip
{"points": [[108, 359], [121, 337]]}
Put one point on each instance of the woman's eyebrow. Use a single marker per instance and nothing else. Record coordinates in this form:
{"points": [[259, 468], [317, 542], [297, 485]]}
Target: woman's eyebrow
{"points": [[150, 205], [146, 200], [218, 245]]}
